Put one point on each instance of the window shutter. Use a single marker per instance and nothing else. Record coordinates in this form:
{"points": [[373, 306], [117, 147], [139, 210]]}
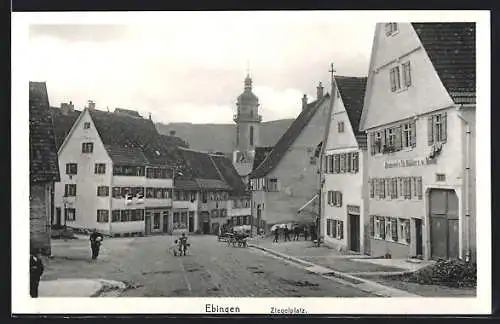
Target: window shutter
{"points": [[413, 128], [430, 130], [392, 76], [340, 199], [376, 187], [372, 226], [341, 230], [383, 139], [356, 161], [388, 187], [370, 183], [382, 228], [394, 227], [334, 228], [443, 127], [331, 165], [349, 162], [395, 180], [372, 143], [399, 144], [419, 188], [382, 187], [328, 229], [407, 231], [342, 163]]}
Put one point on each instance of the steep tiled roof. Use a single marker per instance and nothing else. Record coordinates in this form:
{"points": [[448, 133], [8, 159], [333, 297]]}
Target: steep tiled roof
{"points": [[230, 175], [352, 91], [199, 164], [287, 139], [128, 112], [452, 50], [131, 140], [260, 154], [63, 121], [44, 164]]}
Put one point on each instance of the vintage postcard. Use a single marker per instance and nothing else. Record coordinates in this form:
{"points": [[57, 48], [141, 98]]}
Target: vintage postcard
{"points": [[251, 162]]}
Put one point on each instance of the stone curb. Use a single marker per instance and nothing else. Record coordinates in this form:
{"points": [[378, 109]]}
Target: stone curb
{"points": [[382, 274], [363, 284]]}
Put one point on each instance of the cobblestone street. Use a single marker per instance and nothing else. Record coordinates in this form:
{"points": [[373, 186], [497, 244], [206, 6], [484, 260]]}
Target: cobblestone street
{"points": [[211, 270]]}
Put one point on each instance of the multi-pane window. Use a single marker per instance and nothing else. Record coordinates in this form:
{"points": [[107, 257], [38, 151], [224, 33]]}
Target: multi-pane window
{"points": [[390, 229], [335, 228], [87, 147], [335, 198], [330, 164], [157, 173], [391, 29], [117, 192], [394, 138], [400, 73], [102, 191], [436, 129], [86, 125], [70, 190], [336, 163], [342, 163], [272, 184], [100, 168], [102, 215], [70, 214], [340, 126], [127, 215], [71, 168], [125, 170]]}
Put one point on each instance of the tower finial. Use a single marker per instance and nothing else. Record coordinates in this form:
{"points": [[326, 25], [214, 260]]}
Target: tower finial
{"points": [[248, 68]]}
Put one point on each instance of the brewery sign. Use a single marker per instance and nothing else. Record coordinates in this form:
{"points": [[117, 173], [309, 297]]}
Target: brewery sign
{"points": [[405, 163]]}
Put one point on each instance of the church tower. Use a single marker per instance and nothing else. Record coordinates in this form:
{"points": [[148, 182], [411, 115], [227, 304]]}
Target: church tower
{"points": [[247, 121]]}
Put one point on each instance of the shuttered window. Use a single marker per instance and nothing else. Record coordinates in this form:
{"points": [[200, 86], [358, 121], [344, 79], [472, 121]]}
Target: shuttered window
{"points": [[372, 226], [372, 188], [437, 128], [342, 163], [340, 230], [376, 187], [355, 162], [398, 144], [394, 228], [372, 143], [334, 227], [406, 74], [419, 188], [381, 188], [328, 227], [349, 162], [337, 163]]}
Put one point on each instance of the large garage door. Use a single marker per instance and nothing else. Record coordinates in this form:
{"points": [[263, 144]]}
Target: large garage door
{"points": [[444, 224]]}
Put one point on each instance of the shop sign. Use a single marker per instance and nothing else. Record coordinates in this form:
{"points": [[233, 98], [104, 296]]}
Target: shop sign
{"points": [[408, 163]]}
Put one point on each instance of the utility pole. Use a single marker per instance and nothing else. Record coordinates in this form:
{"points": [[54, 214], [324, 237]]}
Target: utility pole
{"points": [[322, 153]]}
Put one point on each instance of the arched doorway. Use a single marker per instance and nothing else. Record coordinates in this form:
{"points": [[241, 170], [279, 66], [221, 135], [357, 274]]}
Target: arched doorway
{"points": [[444, 227]]}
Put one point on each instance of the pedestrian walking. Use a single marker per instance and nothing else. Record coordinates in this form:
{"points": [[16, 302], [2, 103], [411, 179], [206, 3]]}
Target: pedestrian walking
{"points": [[306, 233], [276, 235], [36, 271], [296, 232], [95, 243], [286, 231]]}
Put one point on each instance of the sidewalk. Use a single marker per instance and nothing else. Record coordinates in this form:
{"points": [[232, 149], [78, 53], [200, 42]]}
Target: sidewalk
{"points": [[379, 276], [78, 287], [331, 258]]}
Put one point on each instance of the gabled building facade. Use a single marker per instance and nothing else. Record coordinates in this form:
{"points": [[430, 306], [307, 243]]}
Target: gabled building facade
{"points": [[288, 176], [345, 190], [116, 176], [419, 114], [44, 168]]}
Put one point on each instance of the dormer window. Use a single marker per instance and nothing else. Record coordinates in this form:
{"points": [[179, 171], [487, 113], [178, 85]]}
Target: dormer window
{"points": [[391, 29], [86, 125]]}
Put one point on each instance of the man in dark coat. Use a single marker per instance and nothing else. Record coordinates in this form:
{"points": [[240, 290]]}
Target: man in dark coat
{"points": [[286, 231], [36, 271], [95, 243], [276, 235], [306, 232]]}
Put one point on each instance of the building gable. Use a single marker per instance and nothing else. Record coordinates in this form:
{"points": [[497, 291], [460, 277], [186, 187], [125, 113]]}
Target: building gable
{"points": [[79, 134], [426, 92]]}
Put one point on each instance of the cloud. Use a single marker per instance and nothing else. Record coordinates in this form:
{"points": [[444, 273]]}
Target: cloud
{"points": [[183, 73]]}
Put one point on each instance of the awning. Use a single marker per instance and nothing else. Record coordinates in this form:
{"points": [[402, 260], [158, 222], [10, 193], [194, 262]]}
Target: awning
{"points": [[308, 203]]}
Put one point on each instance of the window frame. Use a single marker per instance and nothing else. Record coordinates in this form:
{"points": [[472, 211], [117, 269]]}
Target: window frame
{"points": [[88, 147], [98, 167], [69, 168]]}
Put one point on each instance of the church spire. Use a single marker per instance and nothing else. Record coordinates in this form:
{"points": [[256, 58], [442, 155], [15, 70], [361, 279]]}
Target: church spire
{"points": [[248, 83]]}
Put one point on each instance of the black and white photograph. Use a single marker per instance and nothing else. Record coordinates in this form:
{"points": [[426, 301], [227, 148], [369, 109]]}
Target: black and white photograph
{"points": [[325, 160]]}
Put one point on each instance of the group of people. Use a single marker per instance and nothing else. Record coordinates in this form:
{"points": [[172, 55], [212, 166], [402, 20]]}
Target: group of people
{"points": [[309, 232]]}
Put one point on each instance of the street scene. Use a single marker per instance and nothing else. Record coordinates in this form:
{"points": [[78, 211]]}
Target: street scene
{"points": [[159, 170]]}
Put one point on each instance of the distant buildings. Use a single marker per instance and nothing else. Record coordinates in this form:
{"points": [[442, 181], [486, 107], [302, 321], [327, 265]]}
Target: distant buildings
{"points": [[419, 114], [44, 171]]}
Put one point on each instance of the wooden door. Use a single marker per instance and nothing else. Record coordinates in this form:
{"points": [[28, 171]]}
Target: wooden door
{"points": [[418, 237], [354, 236], [444, 224]]}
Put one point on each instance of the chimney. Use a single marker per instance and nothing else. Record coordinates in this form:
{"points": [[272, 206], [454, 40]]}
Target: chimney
{"points": [[319, 92], [304, 102], [172, 133]]}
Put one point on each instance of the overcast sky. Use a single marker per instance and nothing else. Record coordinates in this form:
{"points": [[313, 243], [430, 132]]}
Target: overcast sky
{"points": [[193, 72]]}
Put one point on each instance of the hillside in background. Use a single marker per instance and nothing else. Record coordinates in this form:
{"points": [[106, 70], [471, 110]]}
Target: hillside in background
{"points": [[222, 137]]}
